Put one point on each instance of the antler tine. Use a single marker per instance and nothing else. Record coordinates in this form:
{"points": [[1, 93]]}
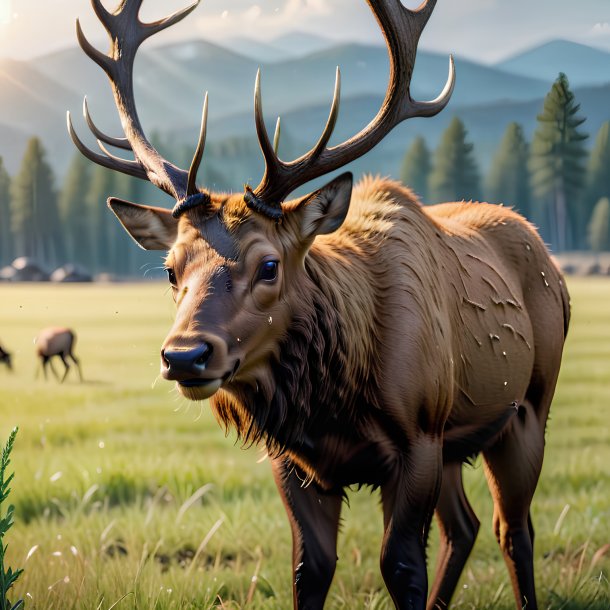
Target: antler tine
{"points": [[100, 135], [272, 162], [131, 168], [276, 136], [102, 13], [332, 120], [191, 188], [102, 60], [162, 24], [433, 107], [402, 29]]}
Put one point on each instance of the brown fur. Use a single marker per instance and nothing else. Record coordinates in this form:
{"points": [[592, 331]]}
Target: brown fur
{"points": [[459, 287]]}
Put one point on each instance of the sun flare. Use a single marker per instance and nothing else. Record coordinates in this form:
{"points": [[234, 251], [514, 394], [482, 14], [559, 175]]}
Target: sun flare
{"points": [[6, 12]]}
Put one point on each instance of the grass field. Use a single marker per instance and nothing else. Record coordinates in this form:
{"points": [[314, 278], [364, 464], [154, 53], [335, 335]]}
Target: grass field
{"points": [[129, 497]]}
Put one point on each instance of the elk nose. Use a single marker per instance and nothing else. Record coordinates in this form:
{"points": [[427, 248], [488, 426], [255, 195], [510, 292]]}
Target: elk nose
{"points": [[180, 364]]}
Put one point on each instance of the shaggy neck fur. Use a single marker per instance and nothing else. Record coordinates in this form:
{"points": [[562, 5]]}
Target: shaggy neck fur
{"points": [[306, 385], [322, 375]]}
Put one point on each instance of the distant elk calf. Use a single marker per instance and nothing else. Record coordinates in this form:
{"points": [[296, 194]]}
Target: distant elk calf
{"points": [[365, 339], [5, 358], [57, 342]]}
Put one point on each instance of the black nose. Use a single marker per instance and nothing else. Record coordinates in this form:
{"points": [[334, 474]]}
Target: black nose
{"points": [[180, 364]]}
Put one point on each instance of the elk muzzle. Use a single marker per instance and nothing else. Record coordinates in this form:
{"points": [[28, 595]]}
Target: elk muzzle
{"points": [[184, 364], [198, 368]]}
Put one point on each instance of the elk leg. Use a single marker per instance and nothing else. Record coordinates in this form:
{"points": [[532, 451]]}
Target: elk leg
{"points": [[458, 531], [63, 359], [48, 361], [314, 520], [512, 466], [408, 501], [77, 362]]}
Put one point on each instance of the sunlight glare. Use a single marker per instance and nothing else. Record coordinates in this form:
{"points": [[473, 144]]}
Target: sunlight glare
{"points": [[5, 12]]}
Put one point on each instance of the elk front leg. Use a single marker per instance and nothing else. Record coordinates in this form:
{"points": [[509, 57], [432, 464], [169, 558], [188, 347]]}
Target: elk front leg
{"points": [[409, 498], [314, 520]]}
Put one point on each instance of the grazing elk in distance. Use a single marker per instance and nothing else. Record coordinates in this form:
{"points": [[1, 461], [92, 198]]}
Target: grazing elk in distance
{"points": [[60, 342], [380, 343], [5, 358]]}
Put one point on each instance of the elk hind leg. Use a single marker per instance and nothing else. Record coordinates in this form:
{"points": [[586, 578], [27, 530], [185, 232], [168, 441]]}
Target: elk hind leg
{"points": [[512, 466], [458, 526], [77, 362], [66, 365]]}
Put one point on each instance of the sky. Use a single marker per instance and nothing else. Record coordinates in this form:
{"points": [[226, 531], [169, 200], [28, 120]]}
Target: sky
{"points": [[483, 30]]}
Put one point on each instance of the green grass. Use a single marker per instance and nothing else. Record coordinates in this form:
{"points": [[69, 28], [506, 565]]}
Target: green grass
{"points": [[126, 496]]}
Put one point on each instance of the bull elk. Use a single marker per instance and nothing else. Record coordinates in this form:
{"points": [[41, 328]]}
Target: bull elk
{"points": [[52, 342], [5, 358], [380, 343]]}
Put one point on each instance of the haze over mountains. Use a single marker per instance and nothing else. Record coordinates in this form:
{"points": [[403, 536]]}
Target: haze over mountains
{"points": [[298, 74]]}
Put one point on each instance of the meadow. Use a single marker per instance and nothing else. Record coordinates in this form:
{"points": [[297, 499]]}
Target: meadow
{"points": [[129, 497]]}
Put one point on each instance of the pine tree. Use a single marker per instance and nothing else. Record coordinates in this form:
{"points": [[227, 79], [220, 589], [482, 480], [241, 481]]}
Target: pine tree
{"points": [[598, 181], [508, 179], [128, 256], [599, 226], [35, 220], [455, 175], [557, 163], [76, 214], [6, 238], [103, 185], [416, 168]]}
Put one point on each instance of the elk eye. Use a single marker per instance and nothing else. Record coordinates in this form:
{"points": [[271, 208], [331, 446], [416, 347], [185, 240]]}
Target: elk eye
{"points": [[171, 276], [268, 271]]}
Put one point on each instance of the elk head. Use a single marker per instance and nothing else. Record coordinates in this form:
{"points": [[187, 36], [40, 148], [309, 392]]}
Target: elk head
{"points": [[236, 262]]}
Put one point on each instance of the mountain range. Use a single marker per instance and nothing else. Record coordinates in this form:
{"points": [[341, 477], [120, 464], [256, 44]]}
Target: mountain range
{"points": [[297, 83]]}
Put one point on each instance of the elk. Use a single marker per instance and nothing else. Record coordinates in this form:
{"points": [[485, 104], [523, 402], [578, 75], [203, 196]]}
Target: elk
{"points": [[60, 342], [5, 358], [362, 338]]}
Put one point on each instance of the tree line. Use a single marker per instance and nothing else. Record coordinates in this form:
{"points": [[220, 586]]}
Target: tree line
{"points": [[552, 180]]}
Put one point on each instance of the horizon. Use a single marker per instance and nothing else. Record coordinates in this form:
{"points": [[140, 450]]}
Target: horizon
{"points": [[332, 42]]}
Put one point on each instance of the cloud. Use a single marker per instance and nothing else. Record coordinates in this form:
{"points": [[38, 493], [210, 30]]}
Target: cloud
{"points": [[601, 29], [270, 18]]}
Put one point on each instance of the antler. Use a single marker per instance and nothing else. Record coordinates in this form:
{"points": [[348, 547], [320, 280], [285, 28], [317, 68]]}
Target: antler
{"points": [[401, 28], [127, 32]]}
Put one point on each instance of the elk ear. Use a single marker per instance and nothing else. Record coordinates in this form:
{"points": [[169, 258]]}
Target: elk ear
{"points": [[324, 210], [152, 228]]}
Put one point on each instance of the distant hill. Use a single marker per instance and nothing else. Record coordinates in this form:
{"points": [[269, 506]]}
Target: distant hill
{"points": [[300, 44], [170, 82], [290, 45], [583, 65]]}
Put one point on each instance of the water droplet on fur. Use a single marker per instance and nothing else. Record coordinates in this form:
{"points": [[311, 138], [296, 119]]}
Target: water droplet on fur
{"points": [[505, 383], [270, 320]]}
